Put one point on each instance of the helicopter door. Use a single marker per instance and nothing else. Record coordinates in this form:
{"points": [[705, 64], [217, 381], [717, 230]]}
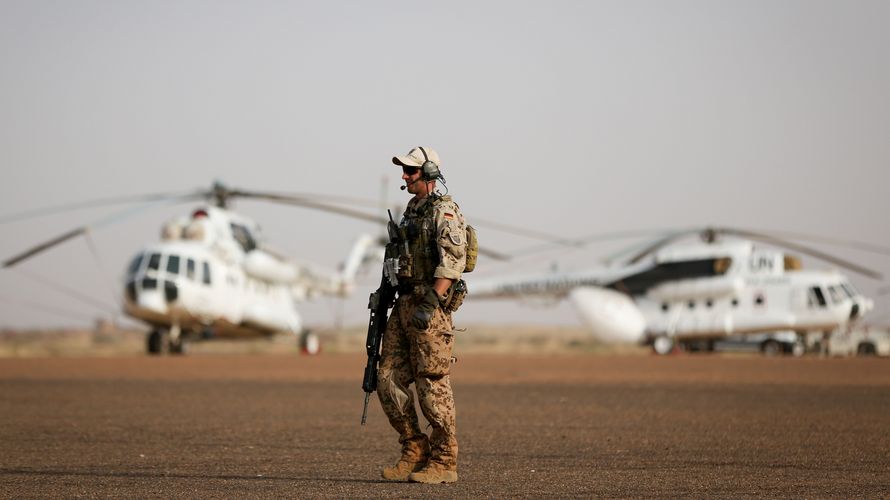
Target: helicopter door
{"points": [[800, 298]]}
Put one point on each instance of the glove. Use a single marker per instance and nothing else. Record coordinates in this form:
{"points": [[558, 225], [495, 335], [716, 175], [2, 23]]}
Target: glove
{"points": [[423, 313]]}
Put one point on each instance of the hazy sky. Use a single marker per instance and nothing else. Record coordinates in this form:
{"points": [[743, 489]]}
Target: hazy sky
{"points": [[571, 117]]}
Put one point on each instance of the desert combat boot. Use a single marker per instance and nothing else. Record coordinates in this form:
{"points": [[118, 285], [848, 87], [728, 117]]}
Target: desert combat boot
{"points": [[415, 454], [434, 473]]}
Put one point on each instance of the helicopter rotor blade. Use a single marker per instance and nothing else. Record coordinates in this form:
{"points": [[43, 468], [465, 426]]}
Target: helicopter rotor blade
{"points": [[658, 244], [327, 200], [27, 254], [857, 245], [584, 241], [308, 203], [328, 207], [494, 255], [118, 200], [551, 239], [112, 219], [766, 238]]}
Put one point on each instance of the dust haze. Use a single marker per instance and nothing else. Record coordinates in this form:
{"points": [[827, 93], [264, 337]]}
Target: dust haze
{"points": [[571, 117]]}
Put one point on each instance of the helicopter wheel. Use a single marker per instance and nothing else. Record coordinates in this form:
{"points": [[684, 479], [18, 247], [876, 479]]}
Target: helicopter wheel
{"points": [[155, 342], [309, 343], [178, 347], [771, 348], [866, 349], [663, 345]]}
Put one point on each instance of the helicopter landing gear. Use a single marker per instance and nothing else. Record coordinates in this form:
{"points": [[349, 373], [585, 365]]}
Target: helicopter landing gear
{"points": [[772, 348], [177, 342], [663, 345], [179, 346], [156, 342], [309, 343], [161, 341]]}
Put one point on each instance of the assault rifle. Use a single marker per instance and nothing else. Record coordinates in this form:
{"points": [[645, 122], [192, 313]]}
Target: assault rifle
{"points": [[379, 303]]}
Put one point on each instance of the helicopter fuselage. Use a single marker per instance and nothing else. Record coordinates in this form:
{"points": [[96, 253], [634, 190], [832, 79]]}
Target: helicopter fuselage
{"points": [[702, 291], [184, 284]]}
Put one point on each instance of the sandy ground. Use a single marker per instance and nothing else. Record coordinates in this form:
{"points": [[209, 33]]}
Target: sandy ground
{"points": [[223, 426], [103, 342]]}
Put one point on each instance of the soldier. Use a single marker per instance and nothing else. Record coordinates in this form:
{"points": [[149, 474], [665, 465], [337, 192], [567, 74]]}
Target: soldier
{"points": [[419, 334]]}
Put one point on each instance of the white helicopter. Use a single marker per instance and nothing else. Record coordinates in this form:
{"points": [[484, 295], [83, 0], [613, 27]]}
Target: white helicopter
{"points": [[688, 294], [211, 276]]}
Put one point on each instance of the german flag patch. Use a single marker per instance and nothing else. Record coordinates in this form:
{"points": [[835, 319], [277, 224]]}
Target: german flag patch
{"points": [[448, 216]]}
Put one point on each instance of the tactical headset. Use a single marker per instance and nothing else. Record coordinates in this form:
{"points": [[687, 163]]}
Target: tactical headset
{"points": [[429, 170]]}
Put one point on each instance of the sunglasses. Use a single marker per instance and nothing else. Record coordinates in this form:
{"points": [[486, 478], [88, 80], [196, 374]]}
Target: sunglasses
{"points": [[410, 170]]}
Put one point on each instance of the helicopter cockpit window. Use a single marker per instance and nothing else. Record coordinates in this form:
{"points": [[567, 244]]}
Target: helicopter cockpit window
{"points": [[173, 264], [206, 278], [190, 269], [848, 289], [134, 265], [820, 298], [243, 237], [154, 261]]}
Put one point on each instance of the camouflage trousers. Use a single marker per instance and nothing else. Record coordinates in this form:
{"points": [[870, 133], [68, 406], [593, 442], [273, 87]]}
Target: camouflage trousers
{"points": [[422, 357]]}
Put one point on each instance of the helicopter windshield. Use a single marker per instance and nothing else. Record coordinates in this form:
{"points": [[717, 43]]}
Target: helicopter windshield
{"points": [[134, 265], [154, 261], [173, 264], [243, 237]]}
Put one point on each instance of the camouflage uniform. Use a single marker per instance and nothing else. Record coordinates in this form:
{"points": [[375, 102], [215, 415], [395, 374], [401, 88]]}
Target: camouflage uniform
{"points": [[424, 356]]}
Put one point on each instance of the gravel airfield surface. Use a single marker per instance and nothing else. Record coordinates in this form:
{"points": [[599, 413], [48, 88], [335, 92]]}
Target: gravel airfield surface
{"points": [[260, 426]]}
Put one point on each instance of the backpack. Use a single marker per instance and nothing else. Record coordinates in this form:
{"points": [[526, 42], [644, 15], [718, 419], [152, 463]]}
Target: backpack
{"points": [[472, 249]]}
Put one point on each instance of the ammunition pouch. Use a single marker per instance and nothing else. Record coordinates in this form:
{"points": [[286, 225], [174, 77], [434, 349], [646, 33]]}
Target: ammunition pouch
{"points": [[456, 295]]}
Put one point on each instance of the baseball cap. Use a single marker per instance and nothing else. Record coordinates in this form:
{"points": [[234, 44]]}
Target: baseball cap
{"points": [[415, 157]]}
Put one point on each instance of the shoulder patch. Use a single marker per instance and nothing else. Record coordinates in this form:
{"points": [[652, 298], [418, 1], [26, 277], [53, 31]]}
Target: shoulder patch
{"points": [[454, 234]]}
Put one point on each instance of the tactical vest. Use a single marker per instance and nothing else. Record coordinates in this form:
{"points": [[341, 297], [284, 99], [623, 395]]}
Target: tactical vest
{"points": [[418, 253]]}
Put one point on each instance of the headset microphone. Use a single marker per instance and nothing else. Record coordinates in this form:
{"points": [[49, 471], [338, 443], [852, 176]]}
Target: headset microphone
{"points": [[403, 187]]}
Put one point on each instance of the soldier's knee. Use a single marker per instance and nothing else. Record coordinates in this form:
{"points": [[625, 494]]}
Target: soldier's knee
{"points": [[384, 373], [386, 384]]}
